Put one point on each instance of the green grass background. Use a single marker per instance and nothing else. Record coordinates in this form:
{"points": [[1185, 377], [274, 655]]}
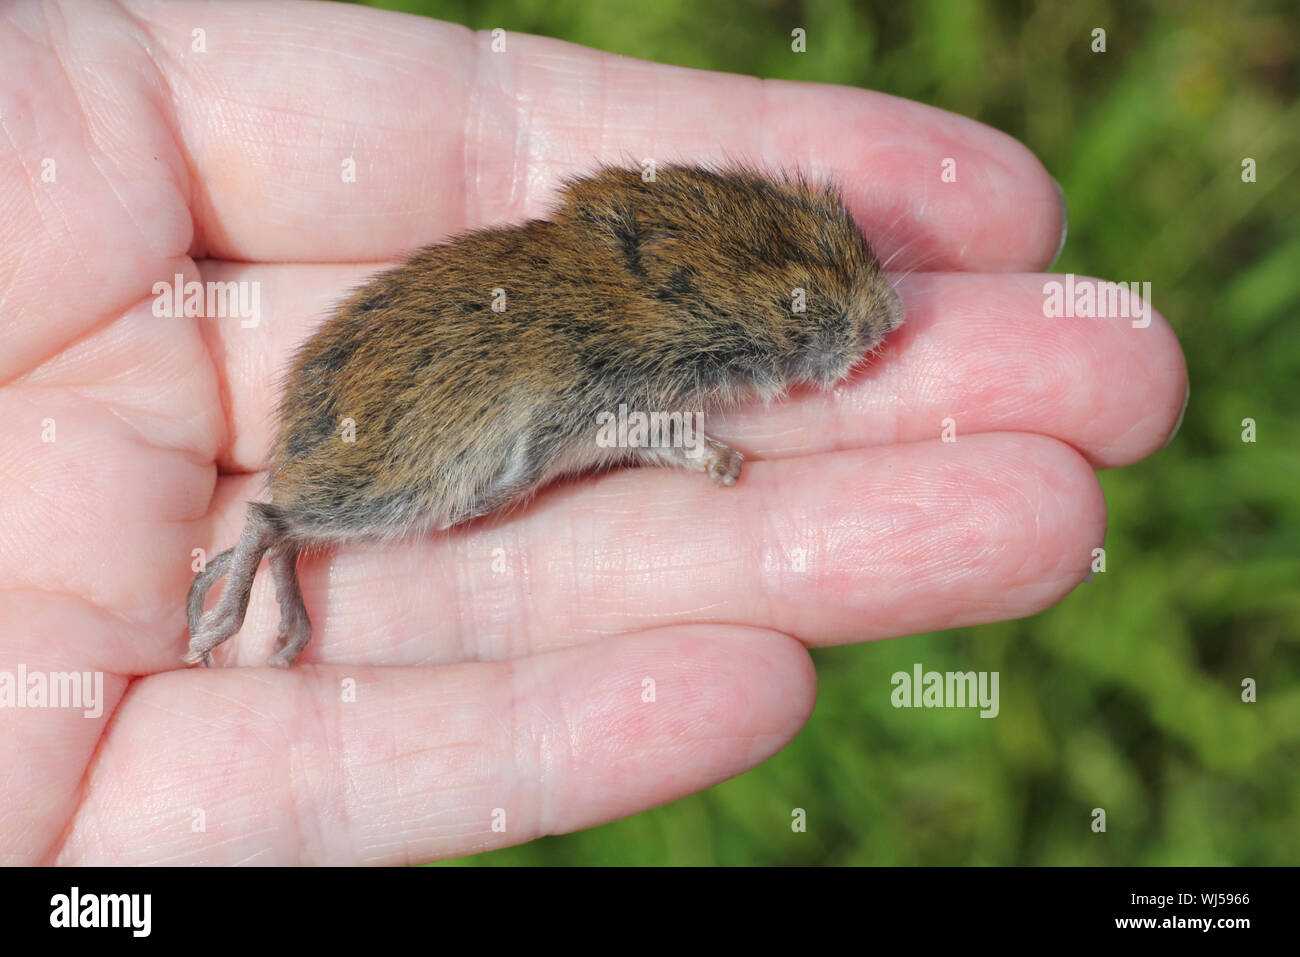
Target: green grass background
{"points": [[1126, 696]]}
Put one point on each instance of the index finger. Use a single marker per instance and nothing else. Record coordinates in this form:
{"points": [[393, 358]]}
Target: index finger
{"points": [[335, 133]]}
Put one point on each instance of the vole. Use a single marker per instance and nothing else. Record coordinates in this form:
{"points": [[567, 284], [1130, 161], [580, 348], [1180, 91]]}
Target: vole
{"points": [[460, 382]]}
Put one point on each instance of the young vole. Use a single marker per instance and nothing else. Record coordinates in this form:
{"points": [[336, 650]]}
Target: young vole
{"points": [[461, 382]]}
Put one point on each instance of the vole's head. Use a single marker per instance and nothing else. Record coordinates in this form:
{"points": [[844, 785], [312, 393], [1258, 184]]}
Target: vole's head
{"points": [[772, 273], [823, 296]]}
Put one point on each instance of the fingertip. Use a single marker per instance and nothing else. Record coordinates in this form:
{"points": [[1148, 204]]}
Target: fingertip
{"points": [[1081, 528], [1063, 212]]}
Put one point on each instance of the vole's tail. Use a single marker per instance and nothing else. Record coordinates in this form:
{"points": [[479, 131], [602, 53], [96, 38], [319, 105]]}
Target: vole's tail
{"points": [[202, 584]]}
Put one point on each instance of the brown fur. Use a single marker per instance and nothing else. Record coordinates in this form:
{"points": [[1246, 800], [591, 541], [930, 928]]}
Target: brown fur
{"points": [[671, 295]]}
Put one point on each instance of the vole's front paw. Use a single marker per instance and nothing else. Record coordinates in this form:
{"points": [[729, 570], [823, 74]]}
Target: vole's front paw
{"points": [[724, 464]]}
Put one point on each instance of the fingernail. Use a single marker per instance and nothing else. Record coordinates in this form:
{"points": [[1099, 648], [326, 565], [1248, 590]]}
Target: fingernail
{"points": [[1179, 424], [1065, 223]]}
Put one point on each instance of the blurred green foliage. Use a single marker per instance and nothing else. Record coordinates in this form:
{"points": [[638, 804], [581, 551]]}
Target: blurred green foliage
{"points": [[1127, 695]]}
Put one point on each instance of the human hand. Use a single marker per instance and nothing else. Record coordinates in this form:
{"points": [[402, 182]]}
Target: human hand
{"points": [[501, 666]]}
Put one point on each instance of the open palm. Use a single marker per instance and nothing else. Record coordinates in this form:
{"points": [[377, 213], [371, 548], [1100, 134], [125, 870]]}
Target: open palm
{"points": [[626, 639]]}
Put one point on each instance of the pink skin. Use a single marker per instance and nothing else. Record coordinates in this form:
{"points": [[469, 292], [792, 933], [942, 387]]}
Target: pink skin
{"points": [[226, 164]]}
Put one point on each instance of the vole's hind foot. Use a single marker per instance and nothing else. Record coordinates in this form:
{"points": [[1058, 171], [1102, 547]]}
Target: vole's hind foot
{"points": [[214, 627], [263, 530], [295, 626], [287, 649]]}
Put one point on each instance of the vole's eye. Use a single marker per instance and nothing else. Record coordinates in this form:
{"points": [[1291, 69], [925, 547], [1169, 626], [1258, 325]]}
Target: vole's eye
{"points": [[837, 326]]}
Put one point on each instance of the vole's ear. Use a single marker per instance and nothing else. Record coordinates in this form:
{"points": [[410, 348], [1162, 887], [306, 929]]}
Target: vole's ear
{"points": [[618, 225], [614, 208], [613, 220]]}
